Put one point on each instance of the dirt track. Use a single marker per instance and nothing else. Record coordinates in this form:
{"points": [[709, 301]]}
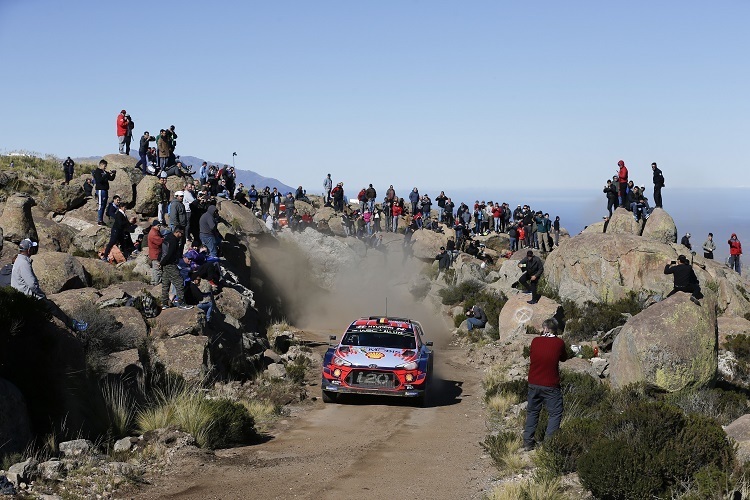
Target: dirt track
{"points": [[361, 448]]}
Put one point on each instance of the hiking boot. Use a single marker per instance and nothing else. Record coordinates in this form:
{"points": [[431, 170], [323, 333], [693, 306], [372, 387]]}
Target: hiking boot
{"points": [[529, 446], [532, 301], [182, 305], [80, 326], [101, 223], [695, 301]]}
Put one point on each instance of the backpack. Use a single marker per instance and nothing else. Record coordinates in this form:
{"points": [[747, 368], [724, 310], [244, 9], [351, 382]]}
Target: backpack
{"points": [[5, 275], [146, 304]]}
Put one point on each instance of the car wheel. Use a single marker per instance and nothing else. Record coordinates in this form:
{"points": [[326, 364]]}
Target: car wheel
{"points": [[329, 397]]}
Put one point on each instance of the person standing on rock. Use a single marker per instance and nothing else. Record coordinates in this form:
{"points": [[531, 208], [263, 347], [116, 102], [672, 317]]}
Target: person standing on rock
{"points": [[155, 240], [735, 250], [101, 179], [610, 190], [129, 134], [546, 353], [622, 179], [208, 231], [327, 187], [533, 269], [556, 226], [121, 229], [709, 246], [164, 147], [122, 130], [25, 281], [68, 166], [162, 198], [143, 152], [685, 279], [177, 213], [171, 253], [658, 184]]}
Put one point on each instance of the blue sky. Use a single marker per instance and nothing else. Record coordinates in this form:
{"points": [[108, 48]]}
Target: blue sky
{"points": [[434, 94]]}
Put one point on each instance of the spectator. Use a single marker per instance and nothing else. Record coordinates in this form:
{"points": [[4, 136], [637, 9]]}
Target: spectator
{"points": [[327, 187], [685, 241], [25, 281], [194, 296], [622, 178], [188, 198], [533, 269], [556, 226], [546, 352], [177, 213], [475, 318], [162, 197], [735, 250], [88, 187], [610, 191], [155, 240], [252, 196], [208, 231], [122, 130], [396, 212], [101, 179], [414, 199], [129, 134], [143, 151], [709, 246], [170, 255], [658, 184], [685, 279], [164, 148], [448, 213], [544, 225], [68, 168], [120, 232], [372, 195], [513, 236]]}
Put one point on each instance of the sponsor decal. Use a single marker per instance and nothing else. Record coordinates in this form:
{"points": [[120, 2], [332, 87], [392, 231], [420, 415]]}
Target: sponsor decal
{"points": [[375, 355]]}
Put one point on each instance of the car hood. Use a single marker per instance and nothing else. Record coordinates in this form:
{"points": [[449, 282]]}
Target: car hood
{"points": [[381, 357]]}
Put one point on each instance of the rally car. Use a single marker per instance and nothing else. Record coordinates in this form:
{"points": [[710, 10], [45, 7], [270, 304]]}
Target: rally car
{"points": [[380, 356]]}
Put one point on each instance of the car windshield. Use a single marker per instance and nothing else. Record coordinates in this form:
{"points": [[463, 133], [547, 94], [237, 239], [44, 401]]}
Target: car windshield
{"points": [[379, 339]]}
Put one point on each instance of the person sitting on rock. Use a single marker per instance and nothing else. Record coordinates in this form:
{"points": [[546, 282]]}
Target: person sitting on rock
{"points": [[25, 281], [195, 297], [685, 241], [685, 279], [444, 259], [475, 318]]}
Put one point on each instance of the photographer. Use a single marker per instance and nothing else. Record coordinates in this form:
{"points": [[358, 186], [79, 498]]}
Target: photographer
{"points": [[475, 318], [533, 269], [685, 279]]}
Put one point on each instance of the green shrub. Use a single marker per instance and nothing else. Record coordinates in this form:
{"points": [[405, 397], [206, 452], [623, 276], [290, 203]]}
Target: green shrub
{"points": [[502, 447], [560, 453], [519, 387], [587, 352], [491, 302], [739, 345], [723, 405], [582, 323], [297, 368], [232, 424], [458, 319], [580, 389], [458, 293]]}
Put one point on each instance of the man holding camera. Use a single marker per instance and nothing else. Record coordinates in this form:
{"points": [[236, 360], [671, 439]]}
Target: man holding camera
{"points": [[533, 269], [475, 318], [685, 279]]}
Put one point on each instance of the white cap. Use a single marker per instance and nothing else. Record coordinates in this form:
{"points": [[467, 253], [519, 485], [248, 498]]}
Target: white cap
{"points": [[179, 193]]}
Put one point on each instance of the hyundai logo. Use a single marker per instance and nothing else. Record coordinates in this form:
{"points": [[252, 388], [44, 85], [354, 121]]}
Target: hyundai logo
{"points": [[372, 366]]}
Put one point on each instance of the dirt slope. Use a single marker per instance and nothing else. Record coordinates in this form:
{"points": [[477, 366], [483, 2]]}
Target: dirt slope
{"points": [[361, 448]]}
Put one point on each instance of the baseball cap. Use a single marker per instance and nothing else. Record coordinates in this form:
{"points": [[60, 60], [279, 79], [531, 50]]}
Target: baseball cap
{"points": [[26, 244], [155, 222], [163, 175], [179, 193]]}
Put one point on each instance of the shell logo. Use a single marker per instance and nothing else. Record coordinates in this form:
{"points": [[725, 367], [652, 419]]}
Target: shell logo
{"points": [[375, 355]]}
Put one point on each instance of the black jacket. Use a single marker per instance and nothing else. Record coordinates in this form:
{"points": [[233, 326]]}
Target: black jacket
{"points": [[480, 315], [684, 275], [143, 148], [534, 265], [171, 250], [658, 178], [102, 178]]}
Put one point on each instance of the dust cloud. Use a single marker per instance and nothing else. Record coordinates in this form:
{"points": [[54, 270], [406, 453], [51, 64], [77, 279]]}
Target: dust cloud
{"points": [[377, 278]]}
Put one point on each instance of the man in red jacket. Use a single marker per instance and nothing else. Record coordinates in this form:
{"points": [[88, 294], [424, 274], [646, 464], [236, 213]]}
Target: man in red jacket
{"points": [[622, 179], [735, 250], [122, 129], [155, 240], [547, 350]]}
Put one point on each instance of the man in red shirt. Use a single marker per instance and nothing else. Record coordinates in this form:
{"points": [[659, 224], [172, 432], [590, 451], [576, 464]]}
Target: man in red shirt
{"points": [[155, 239], [622, 178], [122, 129], [547, 350], [735, 250]]}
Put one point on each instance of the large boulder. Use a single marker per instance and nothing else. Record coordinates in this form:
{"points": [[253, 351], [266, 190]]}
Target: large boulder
{"points": [[58, 271], [595, 228], [498, 242], [60, 199], [53, 236], [327, 217], [241, 218], [237, 355], [182, 356], [660, 227], [233, 303], [671, 344], [622, 222], [92, 238], [732, 325], [426, 244], [133, 329], [739, 431], [14, 419], [176, 322], [17, 222], [517, 315], [146, 201], [126, 178]]}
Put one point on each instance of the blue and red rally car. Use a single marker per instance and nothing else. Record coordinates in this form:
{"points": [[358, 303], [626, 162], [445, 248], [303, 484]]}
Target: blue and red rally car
{"points": [[380, 356]]}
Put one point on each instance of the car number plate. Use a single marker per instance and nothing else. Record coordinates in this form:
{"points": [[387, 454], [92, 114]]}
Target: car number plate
{"points": [[379, 379]]}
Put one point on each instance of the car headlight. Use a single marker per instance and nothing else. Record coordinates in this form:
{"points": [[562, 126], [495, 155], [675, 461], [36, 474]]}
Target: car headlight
{"points": [[408, 366], [340, 361]]}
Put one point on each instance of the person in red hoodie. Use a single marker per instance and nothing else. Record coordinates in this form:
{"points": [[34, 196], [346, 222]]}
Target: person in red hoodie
{"points": [[123, 125], [396, 212], [155, 239], [735, 250], [622, 179], [546, 352]]}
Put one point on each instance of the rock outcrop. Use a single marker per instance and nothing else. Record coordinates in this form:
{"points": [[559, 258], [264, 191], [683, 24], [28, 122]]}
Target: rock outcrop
{"points": [[622, 222], [517, 315], [17, 222], [58, 271], [660, 227], [671, 344]]}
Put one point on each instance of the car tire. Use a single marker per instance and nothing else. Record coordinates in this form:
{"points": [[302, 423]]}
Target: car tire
{"points": [[329, 397]]}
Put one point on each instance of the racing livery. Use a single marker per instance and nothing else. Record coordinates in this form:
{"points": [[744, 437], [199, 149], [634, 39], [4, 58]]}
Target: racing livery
{"points": [[379, 355]]}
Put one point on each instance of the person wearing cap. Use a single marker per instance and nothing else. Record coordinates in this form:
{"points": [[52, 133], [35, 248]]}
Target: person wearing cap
{"points": [[162, 197], [685, 279], [685, 241], [443, 258], [122, 130], [101, 179], [533, 269], [546, 353], [143, 151], [171, 254], [25, 281], [177, 213]]}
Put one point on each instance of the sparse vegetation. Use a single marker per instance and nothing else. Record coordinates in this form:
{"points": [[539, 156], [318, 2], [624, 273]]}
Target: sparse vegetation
{"points": [[582, 323], [504, 449], [297, 368]]}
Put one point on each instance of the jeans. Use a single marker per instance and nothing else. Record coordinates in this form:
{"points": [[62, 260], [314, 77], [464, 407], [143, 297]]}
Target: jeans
{"points": [[513, 244], [395, 223], [557, 237], [143, 161], [121, 141], [371, 205], [440, 213], [163, 161], [734, 263], [553, 401], [497, 224], [161, 211], [210, 241], [208, 308], [473, 323], [528, 284], [102, 197]]}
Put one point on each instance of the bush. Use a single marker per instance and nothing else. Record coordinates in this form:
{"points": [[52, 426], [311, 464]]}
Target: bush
{"points": [[458, 293], [503, 448], [582, 323], [458, 319], [560, 453], [103, 336], [232, 424], [725, 406], [297, 368]]}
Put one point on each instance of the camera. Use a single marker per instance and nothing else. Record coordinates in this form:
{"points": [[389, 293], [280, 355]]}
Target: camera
{"points": [[673, 262]]}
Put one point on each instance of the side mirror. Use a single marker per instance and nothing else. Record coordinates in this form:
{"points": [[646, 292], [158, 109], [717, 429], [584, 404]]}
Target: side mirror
{"points": [[332, 337], [428, 344]]}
